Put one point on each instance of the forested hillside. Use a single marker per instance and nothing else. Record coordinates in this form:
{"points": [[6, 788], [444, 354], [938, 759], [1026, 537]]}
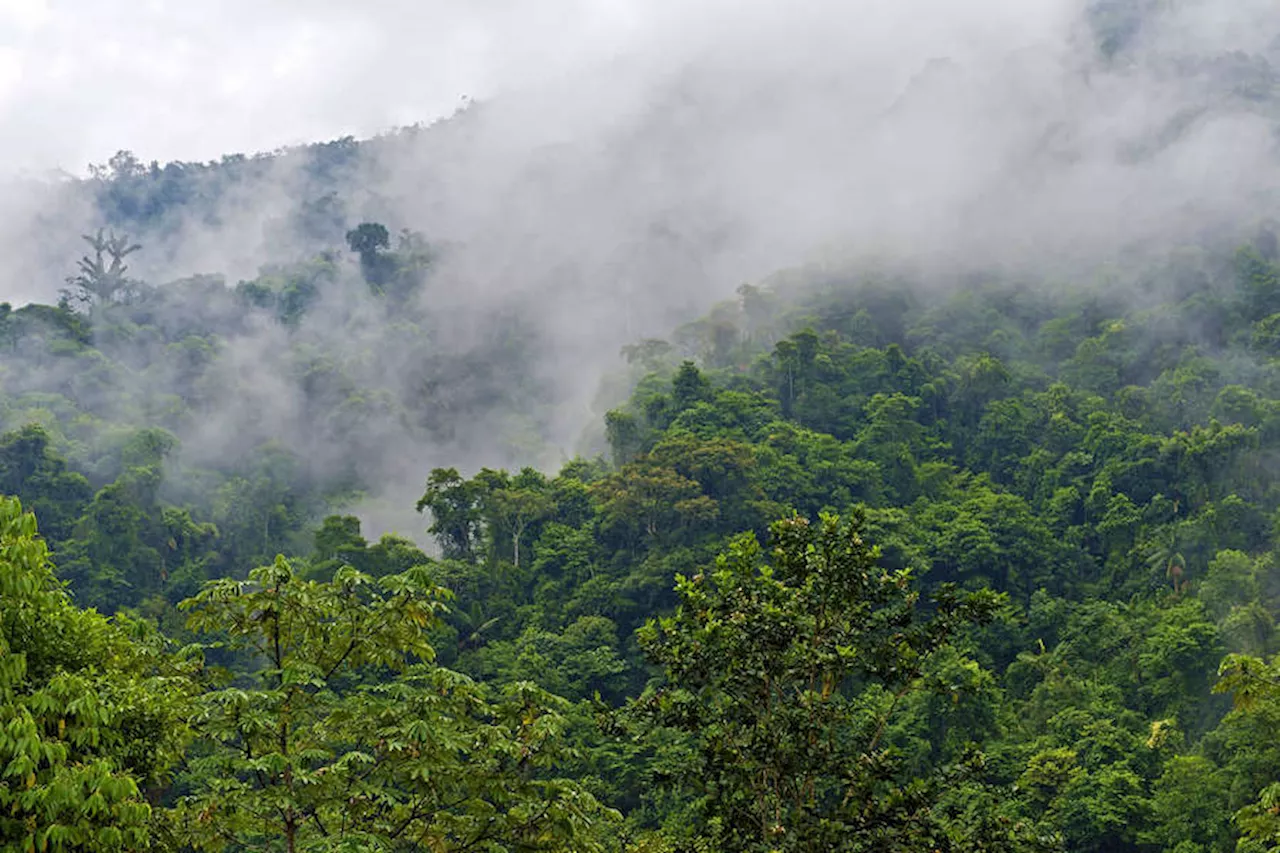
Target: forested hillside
{"points": [[1099, 454], [445, 491]]}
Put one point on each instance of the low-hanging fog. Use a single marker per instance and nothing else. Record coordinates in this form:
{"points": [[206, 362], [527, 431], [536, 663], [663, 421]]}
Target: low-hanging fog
{"points": [[620, 167]]}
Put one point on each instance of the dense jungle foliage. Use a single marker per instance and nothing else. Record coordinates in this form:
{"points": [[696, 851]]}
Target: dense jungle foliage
{"points": [[866, 566], [863, 560]]}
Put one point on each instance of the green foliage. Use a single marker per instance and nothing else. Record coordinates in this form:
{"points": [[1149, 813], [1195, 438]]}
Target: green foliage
{"points": [[31, 471], [783, 678], [350, 738], [1102, 461], [90, 711], [1255, 684]]}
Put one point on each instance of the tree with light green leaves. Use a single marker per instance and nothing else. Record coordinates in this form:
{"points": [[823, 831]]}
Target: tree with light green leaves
{"points": [[348, 737], [90, 710], [1255, 685]]}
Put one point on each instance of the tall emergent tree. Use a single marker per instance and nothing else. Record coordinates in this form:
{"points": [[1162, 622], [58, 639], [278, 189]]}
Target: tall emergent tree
{"points": [[102, 276], [370, 240], [783, 676], [350, 738]]}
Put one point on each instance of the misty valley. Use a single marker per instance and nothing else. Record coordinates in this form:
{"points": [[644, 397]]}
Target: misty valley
{"points": [[779, 451]]}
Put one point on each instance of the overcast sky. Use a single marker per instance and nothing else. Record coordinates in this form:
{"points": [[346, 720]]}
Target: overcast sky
{"points": [[177, 79], [80, 79]]}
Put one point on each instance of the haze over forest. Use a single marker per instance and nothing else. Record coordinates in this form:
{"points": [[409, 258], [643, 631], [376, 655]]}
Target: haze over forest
{"points": [[633, 163], [615, 282]]}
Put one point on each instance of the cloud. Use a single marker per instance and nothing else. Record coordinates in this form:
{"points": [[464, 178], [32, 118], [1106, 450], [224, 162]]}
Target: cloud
{"points": [[171, 79], [749, 133], [631, 161]]}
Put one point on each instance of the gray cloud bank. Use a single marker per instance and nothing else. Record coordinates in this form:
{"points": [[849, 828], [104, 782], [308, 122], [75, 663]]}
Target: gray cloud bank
{"points": [[731, 137]]}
